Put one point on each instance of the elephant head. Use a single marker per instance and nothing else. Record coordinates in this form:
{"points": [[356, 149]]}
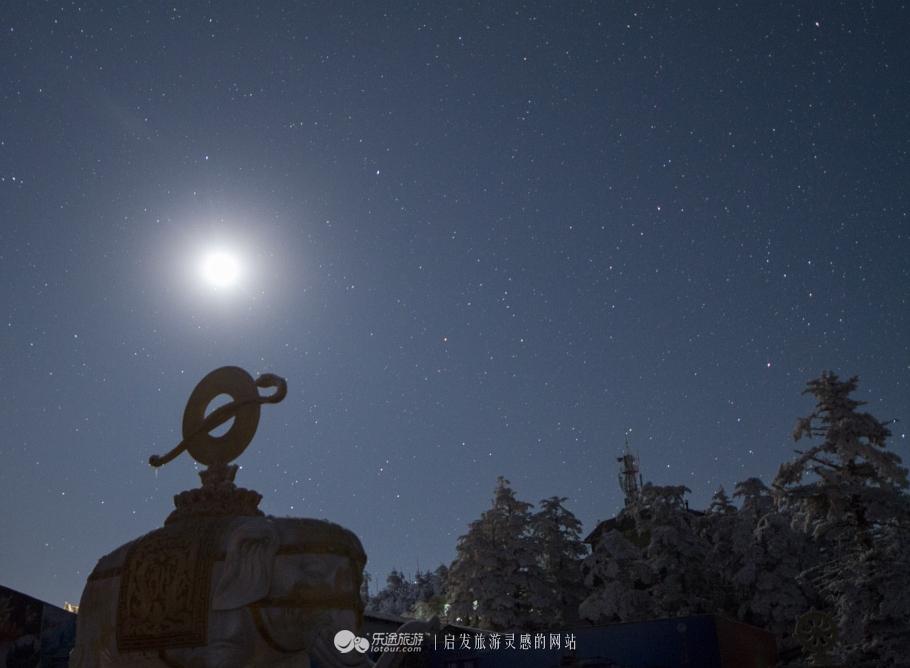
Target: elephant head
{"points": [[276, 591], [297, 578]]}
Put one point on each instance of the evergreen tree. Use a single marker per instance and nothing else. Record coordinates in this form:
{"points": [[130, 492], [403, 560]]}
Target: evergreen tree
{"points": [[653, 564], [720, 502], [858, 483], [397, 598], [767, 556], [489, 583], [834, 532], [432, 599], [772, 594], [618, 580], [677, 553], [848, 493], [756, 497], [727, 538], [558, 590]]}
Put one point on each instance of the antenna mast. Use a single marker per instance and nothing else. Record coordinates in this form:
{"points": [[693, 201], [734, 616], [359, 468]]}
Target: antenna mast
{"points": [[629, 476]]}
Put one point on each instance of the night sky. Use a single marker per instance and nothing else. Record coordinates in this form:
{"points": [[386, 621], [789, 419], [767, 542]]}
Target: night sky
{"points": [[477, 239]]}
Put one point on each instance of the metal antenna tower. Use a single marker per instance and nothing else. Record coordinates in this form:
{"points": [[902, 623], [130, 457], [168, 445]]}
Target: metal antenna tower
{"points": [[630, 476]]}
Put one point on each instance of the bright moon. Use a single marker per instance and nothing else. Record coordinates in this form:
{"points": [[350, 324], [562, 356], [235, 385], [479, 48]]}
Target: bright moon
{"points": [[220, 269]]}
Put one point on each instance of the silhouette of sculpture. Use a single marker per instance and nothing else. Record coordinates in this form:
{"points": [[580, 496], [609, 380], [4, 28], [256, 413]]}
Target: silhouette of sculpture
{"points": [[222, 584]]}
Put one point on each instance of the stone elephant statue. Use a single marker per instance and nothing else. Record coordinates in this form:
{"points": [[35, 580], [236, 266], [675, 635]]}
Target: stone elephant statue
{"points": [[229, 592]]}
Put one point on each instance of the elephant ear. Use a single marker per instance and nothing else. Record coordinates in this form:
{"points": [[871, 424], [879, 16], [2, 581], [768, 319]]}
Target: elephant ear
{"points": [[247, 572]]}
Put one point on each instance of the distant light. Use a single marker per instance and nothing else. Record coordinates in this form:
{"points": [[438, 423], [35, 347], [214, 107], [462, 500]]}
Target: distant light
{"points": [[220, 269]]}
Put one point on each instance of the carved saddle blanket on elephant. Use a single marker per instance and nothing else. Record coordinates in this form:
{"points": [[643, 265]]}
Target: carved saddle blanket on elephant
{"points": [[170, 584], [165, 582]]}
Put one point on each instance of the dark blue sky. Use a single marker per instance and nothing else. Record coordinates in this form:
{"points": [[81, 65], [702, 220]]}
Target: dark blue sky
{"points": [[480, 239]]}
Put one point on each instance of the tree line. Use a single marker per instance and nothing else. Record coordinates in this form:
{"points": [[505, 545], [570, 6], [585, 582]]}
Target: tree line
{"points": [[831, 533]]}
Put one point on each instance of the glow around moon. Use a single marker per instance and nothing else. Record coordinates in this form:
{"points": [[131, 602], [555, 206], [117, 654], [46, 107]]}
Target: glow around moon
{"points": [[214, 268], [220, 269]]}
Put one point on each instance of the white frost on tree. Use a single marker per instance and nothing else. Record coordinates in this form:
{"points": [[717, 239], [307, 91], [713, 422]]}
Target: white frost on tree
{"points": [[558, 588], [720, 502], [490, 581], [848, 492], [834, 534], [654, 563], [618, 581], [431, 594], [398, 596], [728, 538], [767, 583], [421, 598], [756, 498]]}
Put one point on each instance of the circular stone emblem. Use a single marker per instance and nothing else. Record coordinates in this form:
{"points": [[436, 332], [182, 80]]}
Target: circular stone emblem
{"points": [[244, 408]]}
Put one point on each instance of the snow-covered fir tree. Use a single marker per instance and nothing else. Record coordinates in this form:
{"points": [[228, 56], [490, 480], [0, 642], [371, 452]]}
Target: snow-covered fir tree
{"points": [[397, 598], [677, 553], [766, 556], [727, 538], [832, 534], [432, 599], [556, 534], [490, 581], [654, 563], [424, 597], [856, 484], [756, 498], [661, 559], [730, 530], [720, 502], [772, 593], [847, 492]]}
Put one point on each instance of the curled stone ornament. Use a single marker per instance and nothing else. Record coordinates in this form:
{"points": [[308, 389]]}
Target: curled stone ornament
{"points": [[218, 451]]}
